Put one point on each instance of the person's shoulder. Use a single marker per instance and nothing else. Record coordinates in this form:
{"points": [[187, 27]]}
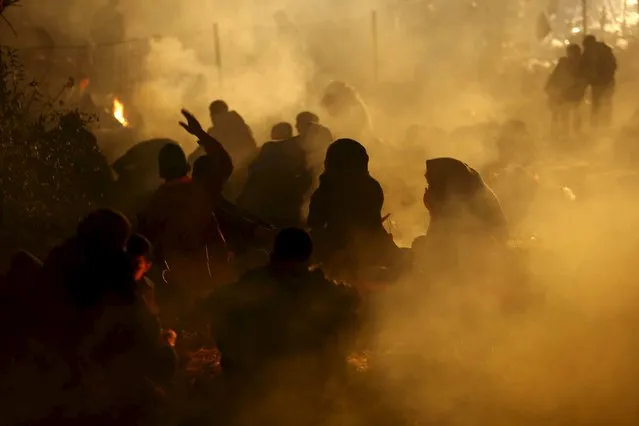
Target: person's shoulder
{"points": [[319, 280]]}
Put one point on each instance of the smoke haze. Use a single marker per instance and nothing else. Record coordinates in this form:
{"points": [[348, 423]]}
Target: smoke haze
{"points": [[460, 358]]}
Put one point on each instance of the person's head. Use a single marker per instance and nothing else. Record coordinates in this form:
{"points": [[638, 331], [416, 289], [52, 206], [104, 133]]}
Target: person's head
{"points": [[337, 97], [281, 18], [589, 41], [304, 120], [105, 229], [346, 156], [217, 108], [573, 51], [172, 162], [139, 250], [203, 169], [293, 246], [449, 180], [281, 131], [71, 121]]}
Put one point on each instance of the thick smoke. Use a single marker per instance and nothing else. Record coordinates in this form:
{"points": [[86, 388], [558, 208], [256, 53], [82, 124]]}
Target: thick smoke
{"points": [[457, 357]]}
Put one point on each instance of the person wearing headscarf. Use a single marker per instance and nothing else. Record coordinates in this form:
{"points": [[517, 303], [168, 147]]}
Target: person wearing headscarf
{"points": [[459, 201], [466, 221], [345, 214]]}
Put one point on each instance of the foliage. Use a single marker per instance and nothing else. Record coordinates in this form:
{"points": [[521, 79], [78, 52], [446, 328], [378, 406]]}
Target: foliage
{"points": [[52, 171]]}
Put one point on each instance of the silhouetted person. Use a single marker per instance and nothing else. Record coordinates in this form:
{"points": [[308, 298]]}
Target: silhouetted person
{"points": [[348, 114], [600, 67], [566, 88], [315, 139], [281, 329], [467, 238], [137, 175], [277, 184], [178, 219], [230, 129], [141, 252], [19, 307], [243, 233], [464, 214], [345, 214], [90, 173], [95, 321], [281, 131]]}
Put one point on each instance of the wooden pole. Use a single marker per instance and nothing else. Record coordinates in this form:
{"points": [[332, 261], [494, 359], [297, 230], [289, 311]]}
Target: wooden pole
{"points": [[218, 52], [375, 45], [624, 22], [584, 17]]}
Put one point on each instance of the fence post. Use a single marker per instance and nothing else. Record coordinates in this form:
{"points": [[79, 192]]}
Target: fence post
{"points": [[374, 30], [218, 53], [624, 22], [584, 17]]}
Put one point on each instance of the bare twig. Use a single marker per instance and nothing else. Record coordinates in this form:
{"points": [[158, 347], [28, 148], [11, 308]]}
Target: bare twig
{"points": [[4, 4]]}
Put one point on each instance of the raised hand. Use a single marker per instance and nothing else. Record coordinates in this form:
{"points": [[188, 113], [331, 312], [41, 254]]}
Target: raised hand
{"points": [[192, 124]]}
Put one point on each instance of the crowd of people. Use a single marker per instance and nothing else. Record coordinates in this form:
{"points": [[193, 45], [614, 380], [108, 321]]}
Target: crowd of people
{"points": [[594, 66], [222, 254]]}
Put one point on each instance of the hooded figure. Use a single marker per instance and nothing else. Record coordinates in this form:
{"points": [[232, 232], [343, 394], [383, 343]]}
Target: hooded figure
{"points": [[345, 214], [466, 219], [459, 201]]}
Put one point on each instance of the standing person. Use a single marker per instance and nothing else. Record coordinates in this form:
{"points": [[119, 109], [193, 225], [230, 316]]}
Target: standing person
{"points": [[178, 221], [278, 181], [230, 129], [566, 87], [600, 67], [315, 139]]}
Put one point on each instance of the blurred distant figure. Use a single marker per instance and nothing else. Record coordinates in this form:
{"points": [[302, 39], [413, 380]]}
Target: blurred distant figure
{"points": [[282, 131], [232, 131], [108, 24], [348, 114], [599, 67], [277, 184], [315, 140], [566, 87]]}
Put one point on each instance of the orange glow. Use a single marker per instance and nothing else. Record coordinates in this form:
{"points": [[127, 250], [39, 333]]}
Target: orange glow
{"points": [[118, 112]]}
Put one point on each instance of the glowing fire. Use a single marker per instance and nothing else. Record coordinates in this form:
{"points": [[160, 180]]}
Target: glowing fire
{"points": [[118, 112]]}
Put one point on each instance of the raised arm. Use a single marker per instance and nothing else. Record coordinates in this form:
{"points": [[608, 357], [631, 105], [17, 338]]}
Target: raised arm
{"points": [[213, 148]]}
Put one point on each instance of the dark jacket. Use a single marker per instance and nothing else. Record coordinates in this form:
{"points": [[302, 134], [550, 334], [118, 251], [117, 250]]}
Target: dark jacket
{"points": [[599, 64], [277, 183], [567, 82], [270, 316]]}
